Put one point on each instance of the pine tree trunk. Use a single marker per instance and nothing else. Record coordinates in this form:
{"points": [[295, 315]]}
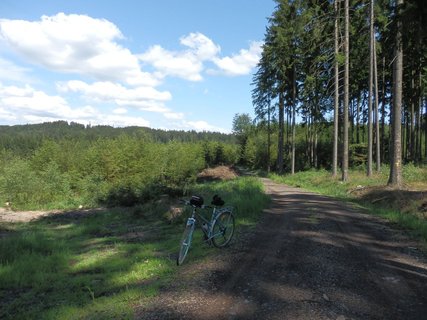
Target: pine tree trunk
{"points": [[377, 119], [336, 95], [294, 105], [351, 119], [268, 140], [358, 120], [307, 139], [412, 123], [395, 178], [371, 72], [311, 141], [417, 132], [425, 133], [383, 112], [405, 135], [346, 92], [281, 133]]}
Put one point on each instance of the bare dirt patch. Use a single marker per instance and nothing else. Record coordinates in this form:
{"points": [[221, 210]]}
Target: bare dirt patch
{"points": [[21, 216], [217, 173], [406, 200], [11, 216]]}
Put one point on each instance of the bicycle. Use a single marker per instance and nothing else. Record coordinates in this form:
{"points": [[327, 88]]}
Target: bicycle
{"points": [[218, 230]]}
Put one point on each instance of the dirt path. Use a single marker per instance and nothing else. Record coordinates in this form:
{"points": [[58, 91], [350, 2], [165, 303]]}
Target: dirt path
{"points": [[311, 257]]}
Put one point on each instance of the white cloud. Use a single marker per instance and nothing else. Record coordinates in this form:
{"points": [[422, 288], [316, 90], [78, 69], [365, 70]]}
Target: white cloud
{"points": [[27, 105], [177, 64], [242, 63], [26, 100], [75, 44], [174, 115], [201, 46], [120, 121], [79, 44], [13, 72], [107, 91], [120, 111], [189, 64], [144, 105], [202, 126], [6, 115], [142, 98], [186, 64]]}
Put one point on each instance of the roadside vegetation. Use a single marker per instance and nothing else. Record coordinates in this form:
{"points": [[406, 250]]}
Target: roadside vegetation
{"points": [[101, 166], [102, 263]]}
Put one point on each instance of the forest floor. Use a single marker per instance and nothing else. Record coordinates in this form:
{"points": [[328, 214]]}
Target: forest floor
{"points": [[310, 257]]}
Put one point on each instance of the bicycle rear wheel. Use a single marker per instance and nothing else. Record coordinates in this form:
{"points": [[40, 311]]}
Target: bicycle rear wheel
{"points": [[223, 229], [185, 241]]}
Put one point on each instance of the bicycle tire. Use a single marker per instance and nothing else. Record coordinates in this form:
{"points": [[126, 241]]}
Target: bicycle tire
{"points": [[185, 242], [223, 229]]}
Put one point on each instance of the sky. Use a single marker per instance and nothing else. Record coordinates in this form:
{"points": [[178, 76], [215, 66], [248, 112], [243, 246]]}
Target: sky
{"points": [[164, 64]]}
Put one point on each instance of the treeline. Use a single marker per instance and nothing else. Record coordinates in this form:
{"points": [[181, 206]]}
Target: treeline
{"points": [[354, 64], [60, 165], [258, 145], [24, 139]]}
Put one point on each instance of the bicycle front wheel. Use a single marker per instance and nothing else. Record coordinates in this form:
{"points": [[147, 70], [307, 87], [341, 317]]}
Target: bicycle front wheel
{"points": [[185, 242], [223, 229]]}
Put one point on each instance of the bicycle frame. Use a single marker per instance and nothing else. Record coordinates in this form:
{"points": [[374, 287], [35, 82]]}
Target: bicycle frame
{"points": [[215, 213], [218, 231]]}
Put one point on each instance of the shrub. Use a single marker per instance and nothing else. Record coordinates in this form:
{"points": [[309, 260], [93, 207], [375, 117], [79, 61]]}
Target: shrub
{"points": [[19, 184]]}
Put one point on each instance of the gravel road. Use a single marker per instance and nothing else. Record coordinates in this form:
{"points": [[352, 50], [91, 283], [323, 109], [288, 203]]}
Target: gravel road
{"points": [[310, 257]]}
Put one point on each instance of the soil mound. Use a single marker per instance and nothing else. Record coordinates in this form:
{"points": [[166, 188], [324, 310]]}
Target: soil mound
{"points": [[217, 173]]}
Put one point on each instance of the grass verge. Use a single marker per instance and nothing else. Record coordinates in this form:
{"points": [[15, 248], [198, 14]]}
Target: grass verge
{"points": [[397, 207], [102, 264]]}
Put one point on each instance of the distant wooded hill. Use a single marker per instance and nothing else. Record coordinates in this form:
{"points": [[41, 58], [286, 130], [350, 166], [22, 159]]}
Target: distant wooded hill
{"points": [[24, 139]]}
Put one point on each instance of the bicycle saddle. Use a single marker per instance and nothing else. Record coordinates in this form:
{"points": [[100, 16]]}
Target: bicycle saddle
{"points": [[217, 201]]}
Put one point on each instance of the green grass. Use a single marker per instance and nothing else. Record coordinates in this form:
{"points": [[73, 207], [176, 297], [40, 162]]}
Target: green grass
{"points": [[104, 264], [322, 182]]}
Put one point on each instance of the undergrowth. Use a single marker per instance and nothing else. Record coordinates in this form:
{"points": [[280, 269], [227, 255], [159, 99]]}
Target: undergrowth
{"points": [[104, 263]]}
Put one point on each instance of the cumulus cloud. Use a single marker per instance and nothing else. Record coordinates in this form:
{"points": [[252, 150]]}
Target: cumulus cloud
{"points": [[26, 100], [106, 91], [75, 44], [120, 111], [12, 72], [190, 63], [242, 63], [201, 125], [201, 46], [142, 98], [186, 64], [120, 121], [174, 115], [7, 115], [90, 47], [183, 65], [28, 105]]}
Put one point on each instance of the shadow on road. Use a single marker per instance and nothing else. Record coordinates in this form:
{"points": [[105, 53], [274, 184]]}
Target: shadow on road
{"points": [[310, 257]]}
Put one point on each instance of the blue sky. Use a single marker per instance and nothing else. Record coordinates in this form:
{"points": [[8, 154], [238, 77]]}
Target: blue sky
{"points": [[185, 65]]}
